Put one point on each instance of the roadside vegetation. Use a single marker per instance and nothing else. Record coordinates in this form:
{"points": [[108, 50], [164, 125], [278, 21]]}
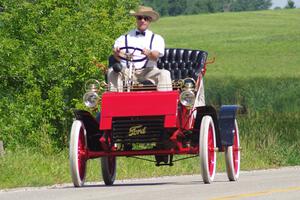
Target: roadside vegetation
{"points": [[257, 66]]}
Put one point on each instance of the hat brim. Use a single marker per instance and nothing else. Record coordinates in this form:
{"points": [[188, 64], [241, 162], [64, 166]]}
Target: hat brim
{"points": [[154, 15]]}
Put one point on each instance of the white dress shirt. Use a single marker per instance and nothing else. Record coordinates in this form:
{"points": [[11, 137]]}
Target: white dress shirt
{"points": [[141, 42]]}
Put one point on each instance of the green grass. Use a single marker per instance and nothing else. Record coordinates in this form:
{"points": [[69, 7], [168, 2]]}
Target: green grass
{"points": [[245, 44], [25, 167], [29, 168], [257, 66]]}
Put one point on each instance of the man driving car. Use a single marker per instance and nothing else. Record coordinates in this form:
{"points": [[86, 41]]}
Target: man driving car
{"points": [[145, 48]]}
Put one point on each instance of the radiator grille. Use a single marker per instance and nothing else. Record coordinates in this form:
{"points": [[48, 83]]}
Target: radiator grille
{"points": [[138, 129]]}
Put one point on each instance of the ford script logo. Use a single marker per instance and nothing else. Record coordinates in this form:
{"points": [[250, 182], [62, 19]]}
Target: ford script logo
{"points": [[137, 130]]}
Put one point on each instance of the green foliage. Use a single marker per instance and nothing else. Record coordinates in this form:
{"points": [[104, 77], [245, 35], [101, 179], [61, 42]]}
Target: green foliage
{"points": [[181, 7], [206, 6], [290, 4], [248, 5], [47, 51]]}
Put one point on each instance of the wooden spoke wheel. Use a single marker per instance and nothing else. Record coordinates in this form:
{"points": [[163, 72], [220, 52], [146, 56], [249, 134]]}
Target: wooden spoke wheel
{"points": [[78, 153], [232, 156], [207, 146]]}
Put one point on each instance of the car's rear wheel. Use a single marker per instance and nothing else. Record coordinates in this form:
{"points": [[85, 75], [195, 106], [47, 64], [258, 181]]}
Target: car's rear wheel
{"points": [[108, 166], [78, 153], [207, 146], [232, 156]]}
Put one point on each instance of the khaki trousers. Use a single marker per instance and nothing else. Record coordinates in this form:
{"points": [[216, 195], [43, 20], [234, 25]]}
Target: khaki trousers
{"points": [[159, 77]]}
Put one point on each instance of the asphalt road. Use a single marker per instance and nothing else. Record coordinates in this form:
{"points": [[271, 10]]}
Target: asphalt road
{"points": [[272, 184]]}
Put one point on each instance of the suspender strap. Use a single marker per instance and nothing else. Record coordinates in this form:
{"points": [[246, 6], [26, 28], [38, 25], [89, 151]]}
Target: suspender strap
{"points": [[150, 47], [126, 45], [152, 37]]}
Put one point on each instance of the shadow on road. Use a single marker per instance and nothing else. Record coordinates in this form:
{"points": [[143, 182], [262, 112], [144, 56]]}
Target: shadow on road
{"points": [[140, 184]]}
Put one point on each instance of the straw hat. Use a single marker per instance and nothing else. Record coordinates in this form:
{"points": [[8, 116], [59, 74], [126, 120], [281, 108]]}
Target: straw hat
{"points": [[146, 11]]}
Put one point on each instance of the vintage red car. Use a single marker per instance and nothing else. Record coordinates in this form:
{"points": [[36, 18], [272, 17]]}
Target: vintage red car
{"points": [[143, 121]]}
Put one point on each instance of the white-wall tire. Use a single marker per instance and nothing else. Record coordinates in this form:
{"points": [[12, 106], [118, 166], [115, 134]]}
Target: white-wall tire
{"points": [[232, 156], [207, 146], [78, 153]]}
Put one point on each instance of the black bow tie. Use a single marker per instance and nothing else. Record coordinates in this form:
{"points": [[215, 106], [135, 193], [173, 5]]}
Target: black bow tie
{"points": [[140, 33]]}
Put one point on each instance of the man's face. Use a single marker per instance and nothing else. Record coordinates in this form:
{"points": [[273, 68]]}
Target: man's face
{"points": [[142, 22]]}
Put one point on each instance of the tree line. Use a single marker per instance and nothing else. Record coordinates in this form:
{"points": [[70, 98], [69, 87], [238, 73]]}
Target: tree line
{"points": [[187, 7]]}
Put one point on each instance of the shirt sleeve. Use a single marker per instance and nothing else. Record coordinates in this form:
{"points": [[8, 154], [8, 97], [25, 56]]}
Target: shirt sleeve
{"points": [[158, 45], [120, 42]]}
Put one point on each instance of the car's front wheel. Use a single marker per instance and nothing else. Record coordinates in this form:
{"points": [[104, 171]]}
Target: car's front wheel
{"points": [[78, 153], [207, 146]]}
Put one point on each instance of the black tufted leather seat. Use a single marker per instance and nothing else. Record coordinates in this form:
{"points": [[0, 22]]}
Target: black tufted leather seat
{"points": [[183, 63]]}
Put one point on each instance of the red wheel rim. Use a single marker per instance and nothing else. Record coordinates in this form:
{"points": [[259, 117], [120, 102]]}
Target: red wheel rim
{"points": [[211, 150], [81, 154], [235, 151]]}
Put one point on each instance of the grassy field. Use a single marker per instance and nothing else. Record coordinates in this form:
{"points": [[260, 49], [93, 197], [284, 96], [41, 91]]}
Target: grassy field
{"points": [[257, 66], [247, 44]]}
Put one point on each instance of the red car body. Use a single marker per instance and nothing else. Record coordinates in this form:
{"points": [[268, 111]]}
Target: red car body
{"points": [[139, 123]]}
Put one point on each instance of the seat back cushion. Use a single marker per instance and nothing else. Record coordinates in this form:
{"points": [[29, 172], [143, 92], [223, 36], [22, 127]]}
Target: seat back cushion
{"points": [[183, 63]]}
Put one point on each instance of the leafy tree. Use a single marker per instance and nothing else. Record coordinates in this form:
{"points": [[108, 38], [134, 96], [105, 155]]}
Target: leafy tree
{"points": [[250, 5], [196, 7], [48, 49], [161, 6], [176, 7], [290, 4]]}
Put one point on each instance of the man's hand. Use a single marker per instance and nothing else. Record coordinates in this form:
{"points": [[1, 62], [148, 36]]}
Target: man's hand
{"points": [[152, 55], [146, 52], [117, 52]]}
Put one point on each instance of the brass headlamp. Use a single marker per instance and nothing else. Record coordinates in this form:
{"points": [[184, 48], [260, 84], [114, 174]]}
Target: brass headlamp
{"points": [[187, 96]]}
